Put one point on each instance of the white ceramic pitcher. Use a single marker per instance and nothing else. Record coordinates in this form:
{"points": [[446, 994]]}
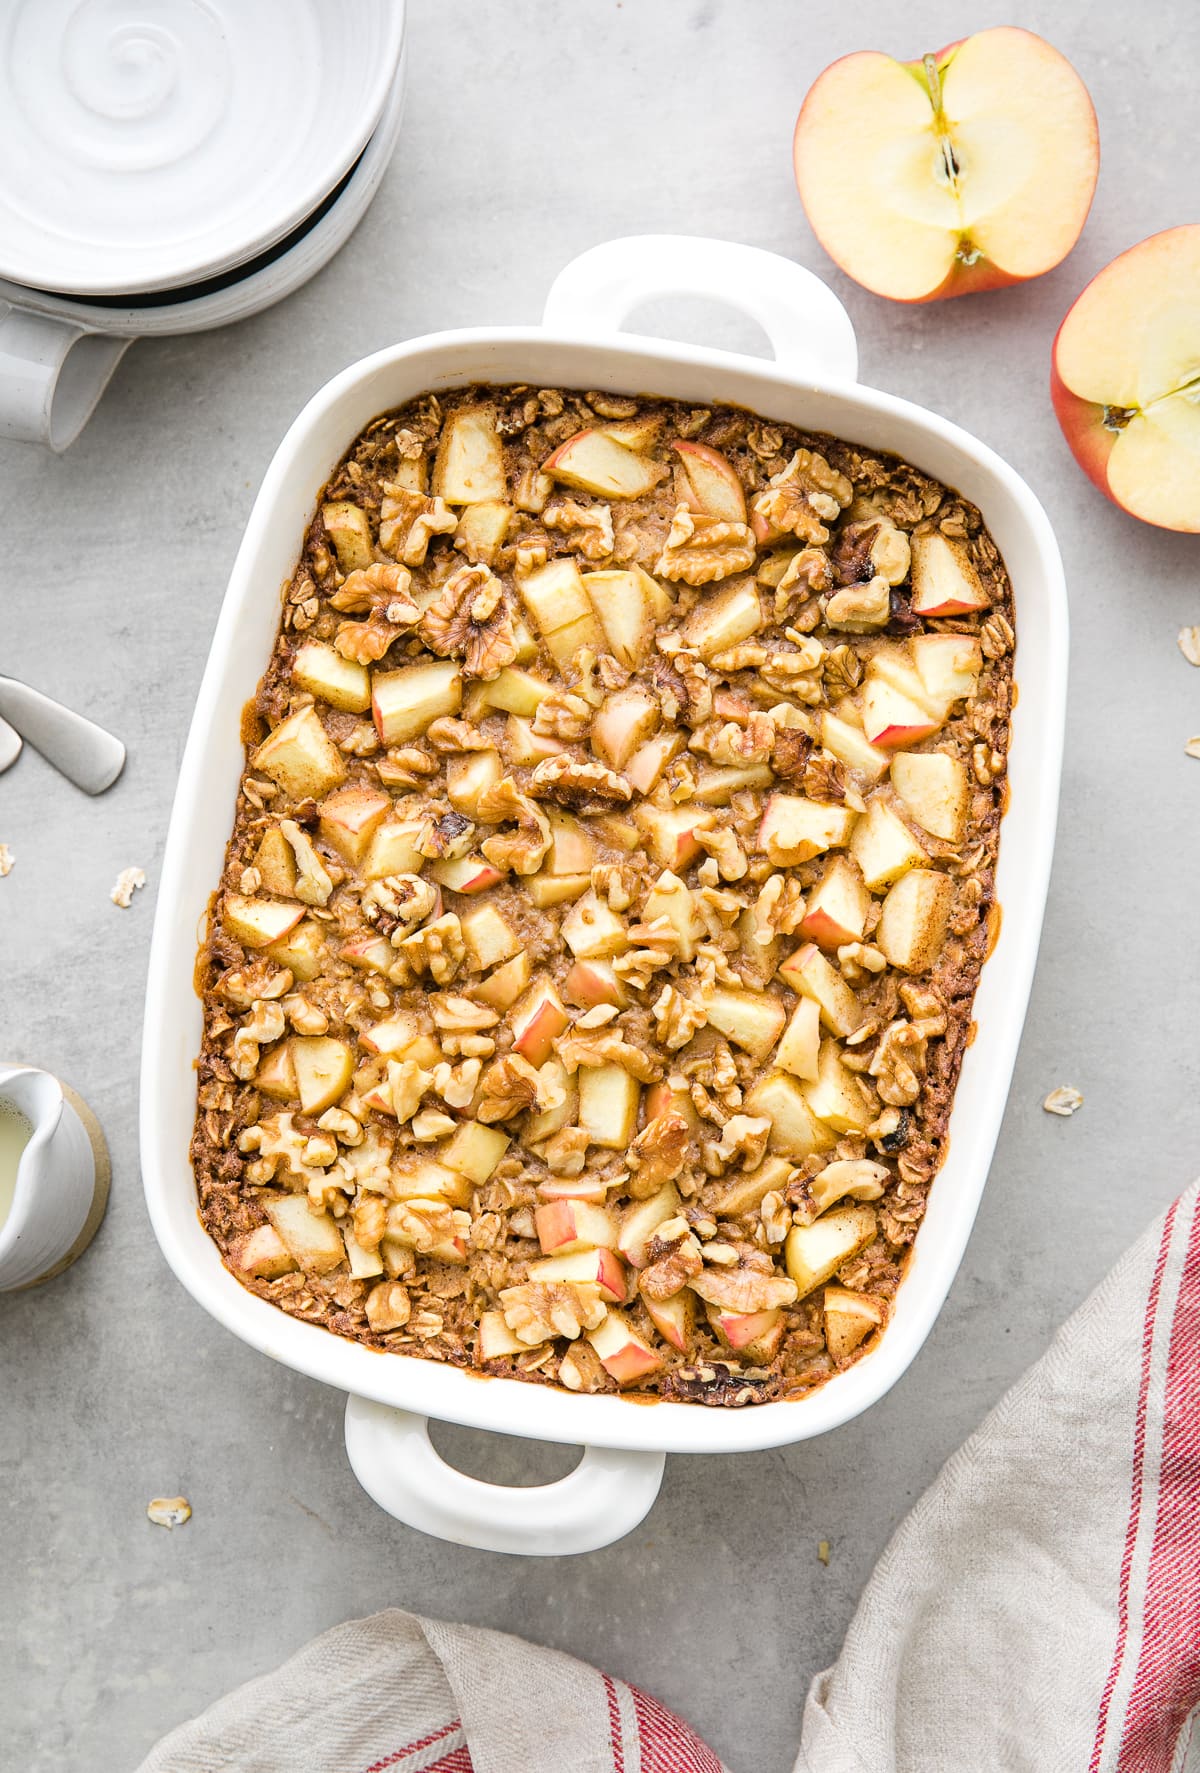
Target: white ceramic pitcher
{"points": [[61, 1185]]}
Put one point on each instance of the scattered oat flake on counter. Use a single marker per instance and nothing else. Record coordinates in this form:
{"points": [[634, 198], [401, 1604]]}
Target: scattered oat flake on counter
{"points": [[823, 1551], [1189, 644], [6, 860], [1193, 746], [1064, 1100], [127, 884], [169, 1511]]}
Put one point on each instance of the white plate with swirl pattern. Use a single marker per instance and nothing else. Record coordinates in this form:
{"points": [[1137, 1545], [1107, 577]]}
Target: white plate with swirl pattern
{"points": [[147, 144]]}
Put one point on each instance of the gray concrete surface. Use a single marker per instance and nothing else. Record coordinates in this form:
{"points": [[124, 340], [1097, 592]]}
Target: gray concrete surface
{"points": [[534, 130]]}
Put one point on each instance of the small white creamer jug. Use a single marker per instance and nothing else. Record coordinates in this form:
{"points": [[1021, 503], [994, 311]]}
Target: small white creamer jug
{"points": [[61, 1185]]}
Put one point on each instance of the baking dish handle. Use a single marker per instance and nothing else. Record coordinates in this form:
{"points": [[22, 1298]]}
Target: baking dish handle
{"points": [[51, 376], [395, 1461], [811, 333]]}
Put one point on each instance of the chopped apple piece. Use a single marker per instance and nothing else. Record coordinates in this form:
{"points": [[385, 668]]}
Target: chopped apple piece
{"points": [[672, 832], [392, 1036], [710, 483], [600, 1267], [628, 604], [849, 1320], [608, 1105], [745, 1193], [595, 462], [276, 1075], [751, 1019], [556, 889], [262, 1253], [474, 1151], [302, 949], [912, 924], [275, 861], [644, 769], [523, 746], [538, 1022], [851, 747], [347, 527], [300, 757], [814, 1252], [640, 1222], [324, 673], [552, 1120], [469, 469], [566, 1225], [488, 936], [883, 846], [797, 1052], [745, 1331], [672, 1318], [557, 599], [934, 788], [758, 960], [724, 619], [672, 898], [349, 819], [429, 1180], [374, 954], [364, 1263], [517, 691], [948, 666], [593, 1189], [640, 433], [324, 1068], [837, 908], [591, 931], [891, 719], [393, 850], [795, 1129], [482, 529], [944, 579], [794, 829], [502, 988], [466, 874], [836, 1097], [496, 1340], [810, 975], [717, 787], [312, 1238], [624, 1355], [469, 777], [256, 923], [619, 830], [406, 701], [662, 1099], [591, 982], [572, 846], [623, 723]]}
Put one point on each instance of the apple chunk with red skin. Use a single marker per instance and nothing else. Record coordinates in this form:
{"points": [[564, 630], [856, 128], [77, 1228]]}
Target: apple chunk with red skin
{"points": [[594, 462], [624, 1354], [673, 1317], [934, 788], [849, 1319], [710, 483], [600, 1267], [466, 874], [592, 982], [892, 719], [640, 1222], [837, 908], [538, 1022], [350, 817], [944, 579], [625, 722], [1124, 377], [564, 1226], [963, 171], [795, 829]]}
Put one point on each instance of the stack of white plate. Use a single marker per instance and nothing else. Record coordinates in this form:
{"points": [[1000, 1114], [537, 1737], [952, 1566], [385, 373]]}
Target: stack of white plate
{"points": [[172, 165]]}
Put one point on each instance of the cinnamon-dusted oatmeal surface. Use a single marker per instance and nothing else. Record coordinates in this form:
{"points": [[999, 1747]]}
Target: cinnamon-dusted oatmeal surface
{"points": [[612, 871]]}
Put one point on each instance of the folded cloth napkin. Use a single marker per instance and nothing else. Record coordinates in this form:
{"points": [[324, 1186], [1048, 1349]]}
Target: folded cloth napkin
{"points": [[1038, 1611]]}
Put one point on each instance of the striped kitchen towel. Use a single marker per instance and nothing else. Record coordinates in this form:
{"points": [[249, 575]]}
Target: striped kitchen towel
{"points": [[1039, 1609]]}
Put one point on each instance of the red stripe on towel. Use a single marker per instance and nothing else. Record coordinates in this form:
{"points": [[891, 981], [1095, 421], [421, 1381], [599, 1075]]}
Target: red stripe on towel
{"points": [[616, 1734], [1166, 1685], [1135, 1505], [667, 1745], [412, 1748]]}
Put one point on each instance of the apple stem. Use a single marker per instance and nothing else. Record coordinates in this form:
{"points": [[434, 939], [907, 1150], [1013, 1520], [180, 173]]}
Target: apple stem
{"points": [[933, 79]]}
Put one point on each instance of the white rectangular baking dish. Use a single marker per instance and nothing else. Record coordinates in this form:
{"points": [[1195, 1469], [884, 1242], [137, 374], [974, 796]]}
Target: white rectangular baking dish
{"points": [[811, 383]]}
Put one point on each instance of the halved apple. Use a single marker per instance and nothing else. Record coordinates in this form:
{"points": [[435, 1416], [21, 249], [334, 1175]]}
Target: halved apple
{"points": [[1124, 379], [795, 829], [944, 579], [299, 755], [710, 483], [837, 907], [404, 702], [594, 462], [966, 170], [469, 468], [913, 922], [934, 788]]}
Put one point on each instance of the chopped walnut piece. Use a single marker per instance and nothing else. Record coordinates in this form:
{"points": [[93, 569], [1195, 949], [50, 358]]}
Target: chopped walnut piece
{"points": [[659, 1152], [438, 950], [565, 1151], [563, 715], [860, 608], [472, 620], [675, 1261], [537, 1311], [803, 498], [128, 882], [677, 1018], [1065, 1100], [588, 529], [447, 734], [388, 1307], [871, 548], [240, 986], [511, 1085], [745, 1136], [898, 1064], [614, 883], [523, 850], [409, 521], [286, 1154], [598, 1047], [314, 882], [578, 782], [396, 904], [699, 549], [744, 1289], [424, 1224], [726, 851], [265, 1023]]}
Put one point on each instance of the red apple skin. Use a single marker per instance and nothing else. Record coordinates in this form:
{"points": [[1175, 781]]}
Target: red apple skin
{"points": [[1082, 422], [630, 1363], [819, 927]]}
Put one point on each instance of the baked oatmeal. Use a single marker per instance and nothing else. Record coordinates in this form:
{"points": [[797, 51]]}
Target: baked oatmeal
{"points": [[612, 872]]}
